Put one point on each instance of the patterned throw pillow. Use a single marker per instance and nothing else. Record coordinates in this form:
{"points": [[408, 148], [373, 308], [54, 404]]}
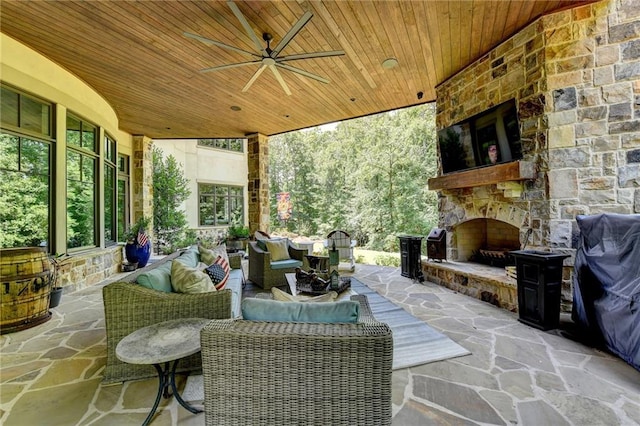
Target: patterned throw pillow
{"points": [[189, 280], [218, 272], [209, 256]]}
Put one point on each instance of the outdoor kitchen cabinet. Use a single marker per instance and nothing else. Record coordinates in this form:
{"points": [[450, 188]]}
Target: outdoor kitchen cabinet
{"points": [[410, 256]]}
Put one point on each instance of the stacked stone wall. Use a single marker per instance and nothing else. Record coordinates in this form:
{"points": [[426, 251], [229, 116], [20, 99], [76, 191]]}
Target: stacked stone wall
{"points": [[258, 182], [575, 76], [592, 60], [84, 270]]}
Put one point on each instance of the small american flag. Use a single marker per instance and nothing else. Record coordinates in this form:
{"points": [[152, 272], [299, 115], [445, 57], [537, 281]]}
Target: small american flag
{"points": [[142, 239]]}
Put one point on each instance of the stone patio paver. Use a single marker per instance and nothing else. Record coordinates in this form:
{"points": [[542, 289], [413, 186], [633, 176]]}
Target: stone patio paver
{"points": [[51, 374]]}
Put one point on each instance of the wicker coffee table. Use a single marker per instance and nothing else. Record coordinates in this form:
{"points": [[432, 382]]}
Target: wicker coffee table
{"points": [[163, 343]]}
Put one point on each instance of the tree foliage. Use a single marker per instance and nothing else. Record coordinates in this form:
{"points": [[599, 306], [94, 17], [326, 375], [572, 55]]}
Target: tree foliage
{"points": [[24, 192], [368, 177], [170, 190]]}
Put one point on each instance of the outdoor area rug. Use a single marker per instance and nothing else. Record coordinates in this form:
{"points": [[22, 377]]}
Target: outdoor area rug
{"points": [[414, 342]]}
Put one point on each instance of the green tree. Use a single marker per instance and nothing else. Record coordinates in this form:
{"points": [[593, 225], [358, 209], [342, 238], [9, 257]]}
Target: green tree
{"points": [[368, 176], [170, 190], [24, 192]]}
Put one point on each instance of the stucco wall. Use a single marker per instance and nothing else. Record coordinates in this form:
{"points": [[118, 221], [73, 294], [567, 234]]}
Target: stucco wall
{"points": [[206, 165]]}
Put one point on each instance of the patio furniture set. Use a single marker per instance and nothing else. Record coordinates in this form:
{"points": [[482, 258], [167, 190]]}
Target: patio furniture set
{"points": [[256, 369]]}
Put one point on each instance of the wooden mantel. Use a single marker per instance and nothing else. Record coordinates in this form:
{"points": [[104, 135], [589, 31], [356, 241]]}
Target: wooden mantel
{"points": [[515, 170]]}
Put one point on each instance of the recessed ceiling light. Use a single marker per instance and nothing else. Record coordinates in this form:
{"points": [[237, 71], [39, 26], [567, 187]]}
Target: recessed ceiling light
{"points": [[235, 108], [389, 63]]}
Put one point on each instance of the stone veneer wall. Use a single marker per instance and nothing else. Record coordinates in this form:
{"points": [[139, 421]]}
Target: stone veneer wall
{"points": [[258, 182], [84, 270], [575, 76], [142, 181]]}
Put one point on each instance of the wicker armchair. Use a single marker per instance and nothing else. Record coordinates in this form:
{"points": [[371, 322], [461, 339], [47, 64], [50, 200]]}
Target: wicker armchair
{"points": [[128, 307], [269, 373], [263, 273]]}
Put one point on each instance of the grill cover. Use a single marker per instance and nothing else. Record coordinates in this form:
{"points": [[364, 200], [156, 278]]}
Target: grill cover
{"points": [[606, 282]]}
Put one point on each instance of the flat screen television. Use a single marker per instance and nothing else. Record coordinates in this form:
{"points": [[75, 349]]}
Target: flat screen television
{"points": [[488, 138]]}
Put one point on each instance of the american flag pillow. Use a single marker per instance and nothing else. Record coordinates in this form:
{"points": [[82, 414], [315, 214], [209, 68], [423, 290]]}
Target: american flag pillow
{"points": [[218, 272]]}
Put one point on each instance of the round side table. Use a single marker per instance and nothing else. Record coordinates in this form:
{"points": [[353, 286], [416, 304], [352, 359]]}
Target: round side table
{"points": [[163, 345]]}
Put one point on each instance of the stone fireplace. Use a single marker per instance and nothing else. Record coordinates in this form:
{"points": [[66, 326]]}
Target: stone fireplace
{"points": [[575, 80]]}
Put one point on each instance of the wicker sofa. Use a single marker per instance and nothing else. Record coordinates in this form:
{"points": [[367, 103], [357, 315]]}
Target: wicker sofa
{"points": [[265, 272], [129, 306], [276, 373]]}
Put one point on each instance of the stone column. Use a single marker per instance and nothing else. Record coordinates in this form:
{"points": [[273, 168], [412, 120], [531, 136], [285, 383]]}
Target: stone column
{"points": [[142, 180], [258, 181]]}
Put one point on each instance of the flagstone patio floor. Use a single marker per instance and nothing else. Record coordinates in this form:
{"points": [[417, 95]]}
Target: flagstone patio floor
{"points": [[51, 374]]}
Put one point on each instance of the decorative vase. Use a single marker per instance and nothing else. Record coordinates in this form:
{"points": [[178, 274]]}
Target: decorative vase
{"points": [[138, 254]]}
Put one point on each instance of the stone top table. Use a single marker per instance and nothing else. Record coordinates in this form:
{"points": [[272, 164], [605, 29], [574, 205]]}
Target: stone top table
{"points": [[163, 343]]}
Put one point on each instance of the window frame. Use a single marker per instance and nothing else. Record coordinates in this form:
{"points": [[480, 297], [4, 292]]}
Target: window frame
{"points": [[222, 143], [233, 196], [95, 157], [110, 159], [123, 175], [47, 139]]}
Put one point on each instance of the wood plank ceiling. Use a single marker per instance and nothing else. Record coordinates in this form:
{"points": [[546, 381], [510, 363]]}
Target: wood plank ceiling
{"points": [[135, 55]]}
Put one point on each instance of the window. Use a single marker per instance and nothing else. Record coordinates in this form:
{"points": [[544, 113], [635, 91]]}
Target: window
{"points": [[123, 195], [236, 145], [25, 170], [82, 160], [110, 202], [220, 205]]}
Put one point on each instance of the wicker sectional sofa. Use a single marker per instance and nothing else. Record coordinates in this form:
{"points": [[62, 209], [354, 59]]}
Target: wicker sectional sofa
{"points": [[129, 306], [277, 373]]}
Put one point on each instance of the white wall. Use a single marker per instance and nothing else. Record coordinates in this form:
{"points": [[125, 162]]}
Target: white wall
{"points": [[206, 165]]}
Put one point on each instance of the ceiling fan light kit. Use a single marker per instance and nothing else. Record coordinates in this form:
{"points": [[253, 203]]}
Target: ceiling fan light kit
{"points": [[266, 56]]}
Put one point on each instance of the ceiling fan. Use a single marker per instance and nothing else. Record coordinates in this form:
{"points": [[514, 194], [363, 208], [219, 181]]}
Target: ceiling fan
{"points": [[266, 56]]}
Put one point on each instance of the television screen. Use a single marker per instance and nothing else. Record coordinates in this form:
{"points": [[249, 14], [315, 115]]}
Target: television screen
{"points": [[488, 138]]}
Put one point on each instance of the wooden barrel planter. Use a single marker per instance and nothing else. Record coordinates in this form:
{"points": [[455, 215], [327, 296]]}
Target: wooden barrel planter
{"points": [[26, 277]]}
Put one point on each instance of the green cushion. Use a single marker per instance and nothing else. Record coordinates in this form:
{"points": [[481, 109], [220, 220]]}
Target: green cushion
{"points": [[344, 311], [189, 280], [261, 245], [286, 264], [157, 279]]}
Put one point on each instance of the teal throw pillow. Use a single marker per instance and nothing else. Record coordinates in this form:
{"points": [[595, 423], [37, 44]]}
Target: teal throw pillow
{"points": [[189, 258], [343, 311], [157, 279]]}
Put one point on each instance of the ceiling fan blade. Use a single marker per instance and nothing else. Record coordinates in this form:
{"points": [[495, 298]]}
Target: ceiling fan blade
{"points": [[224, 67], [246, 26], [292, 33], [276, 73], [302, 72], [254, 77], [310, 55], [219, 44]]}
